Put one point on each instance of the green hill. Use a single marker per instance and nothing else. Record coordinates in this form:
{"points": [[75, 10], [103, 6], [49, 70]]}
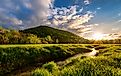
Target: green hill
{"points": [[57, 35]]}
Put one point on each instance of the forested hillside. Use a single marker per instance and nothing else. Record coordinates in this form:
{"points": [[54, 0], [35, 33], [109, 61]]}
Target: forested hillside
{"points": [[38, 35], [57, 35]]}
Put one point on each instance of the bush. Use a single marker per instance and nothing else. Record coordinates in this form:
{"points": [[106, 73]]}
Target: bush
{"points": [[41, 72], [51, 66]]}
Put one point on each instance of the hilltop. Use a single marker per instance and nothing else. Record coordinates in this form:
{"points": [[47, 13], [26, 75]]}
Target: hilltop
{"points": [[56, 34]]}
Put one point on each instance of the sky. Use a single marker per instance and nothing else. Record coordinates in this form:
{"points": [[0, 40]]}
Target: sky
{"points": [[82, 17]]}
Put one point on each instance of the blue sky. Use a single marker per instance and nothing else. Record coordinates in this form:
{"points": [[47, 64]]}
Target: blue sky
{"points": [[82, 17], [106, 11]]}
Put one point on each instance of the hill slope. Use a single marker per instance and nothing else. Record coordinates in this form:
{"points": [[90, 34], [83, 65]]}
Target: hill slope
{"points": [[56, 34]]}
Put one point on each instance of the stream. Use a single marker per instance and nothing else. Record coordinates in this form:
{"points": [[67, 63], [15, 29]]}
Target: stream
{"points": [[93, 53], [89, 54]]}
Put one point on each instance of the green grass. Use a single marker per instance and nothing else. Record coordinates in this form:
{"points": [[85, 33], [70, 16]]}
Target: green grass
{"points": [[32, 45], [25, 45], [41, 45], [106, 63], [17, 56]]}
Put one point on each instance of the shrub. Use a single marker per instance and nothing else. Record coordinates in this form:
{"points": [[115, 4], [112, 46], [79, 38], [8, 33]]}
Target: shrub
{"points": [[41, 72], [51, 66]]}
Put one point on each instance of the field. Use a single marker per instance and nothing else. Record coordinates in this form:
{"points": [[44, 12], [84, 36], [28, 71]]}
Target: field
{"points": [[60, 60]]}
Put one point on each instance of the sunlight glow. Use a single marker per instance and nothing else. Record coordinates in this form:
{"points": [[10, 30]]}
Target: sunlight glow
{"points": [[98, 36]]}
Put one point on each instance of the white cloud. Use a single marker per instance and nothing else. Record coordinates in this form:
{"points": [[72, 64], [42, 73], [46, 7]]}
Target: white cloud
{"points": [[26, 12], [98, 8], [86, 2], [115, 29], [7, 20], [80, 20], [119, 14], [96, 24], [31, 13], [71, 19], [117, 21], [16, 21]]}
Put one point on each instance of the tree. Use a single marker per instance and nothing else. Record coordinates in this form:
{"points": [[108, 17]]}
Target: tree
{"points": [[14, 36], [33, 39], [57, 41], [4, 39], [49, 39]]}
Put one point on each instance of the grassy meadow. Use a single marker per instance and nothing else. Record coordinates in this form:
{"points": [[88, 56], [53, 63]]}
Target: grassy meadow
{"points": [[60, 60]]}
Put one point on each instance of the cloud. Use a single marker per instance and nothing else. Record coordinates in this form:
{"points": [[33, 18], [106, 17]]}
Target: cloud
{"points": [[7, 20], [114, 35], [115, 29], [119, 14], [24, 12], [98, 8], [118, 21], [71, 19], [80, 20], [86, 2]]}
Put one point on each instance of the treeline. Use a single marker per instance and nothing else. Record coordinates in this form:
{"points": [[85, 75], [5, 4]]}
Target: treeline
{"points": [[16, 37], [113, 41], [46, 35]]}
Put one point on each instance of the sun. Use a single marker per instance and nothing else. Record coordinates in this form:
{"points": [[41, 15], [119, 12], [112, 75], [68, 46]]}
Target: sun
{"points": [[98, 36]]}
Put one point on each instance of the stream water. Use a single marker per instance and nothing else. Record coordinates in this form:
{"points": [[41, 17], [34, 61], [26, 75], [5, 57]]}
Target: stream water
{"points": [[93, 53]]}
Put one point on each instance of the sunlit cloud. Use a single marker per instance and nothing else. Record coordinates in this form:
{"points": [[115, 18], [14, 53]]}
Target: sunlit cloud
{"points": [[71, 19], [114, 35], [115, 29], [118, 21], [80, 20]]}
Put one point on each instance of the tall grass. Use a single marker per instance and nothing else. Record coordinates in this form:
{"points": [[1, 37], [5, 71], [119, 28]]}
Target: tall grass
{"points": [[101, 65], [13, 58]]}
